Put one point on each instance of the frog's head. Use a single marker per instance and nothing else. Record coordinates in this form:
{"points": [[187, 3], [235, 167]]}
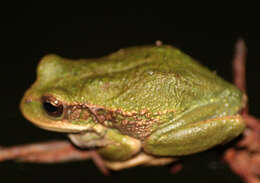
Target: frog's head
{"points": [[68, 95], [51, 102]]}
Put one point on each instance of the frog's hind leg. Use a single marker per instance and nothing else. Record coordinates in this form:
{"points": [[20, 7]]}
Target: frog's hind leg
{"points": [[140, 159], [51, 152], [193, 137]]}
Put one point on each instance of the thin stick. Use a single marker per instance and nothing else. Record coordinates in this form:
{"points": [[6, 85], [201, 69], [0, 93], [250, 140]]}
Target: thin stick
{"points": [[244, 158], [51, 152], [239, 68], [23, 150], [239, 62], [99, 162]]}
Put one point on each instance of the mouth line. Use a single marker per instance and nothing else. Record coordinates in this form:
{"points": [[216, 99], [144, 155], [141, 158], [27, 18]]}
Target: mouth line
{"points": [[88, 131], [59, 126]]}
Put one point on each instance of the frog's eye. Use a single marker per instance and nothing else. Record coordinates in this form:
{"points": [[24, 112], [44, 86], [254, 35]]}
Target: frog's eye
{"points": [[52, 106]]}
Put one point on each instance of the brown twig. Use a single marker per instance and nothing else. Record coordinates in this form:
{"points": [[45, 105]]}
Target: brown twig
{"points": [[239, 62], [176, 168], [244, 159], [25, 150], [51, 152]]}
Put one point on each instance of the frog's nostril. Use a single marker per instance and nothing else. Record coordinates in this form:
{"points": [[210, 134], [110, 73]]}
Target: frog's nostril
{"points": [[28, 100]]}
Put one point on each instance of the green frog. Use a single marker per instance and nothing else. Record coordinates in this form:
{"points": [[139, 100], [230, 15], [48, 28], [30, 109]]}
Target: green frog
{"points": [[139, 105]]}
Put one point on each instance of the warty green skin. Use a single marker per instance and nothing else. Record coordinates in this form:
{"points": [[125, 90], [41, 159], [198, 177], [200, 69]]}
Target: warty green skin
{"points": [[162, 102]]}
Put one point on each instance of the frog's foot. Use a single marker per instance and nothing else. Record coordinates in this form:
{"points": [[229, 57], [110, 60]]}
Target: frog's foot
{"points": [[140, 159], [50, 152]]}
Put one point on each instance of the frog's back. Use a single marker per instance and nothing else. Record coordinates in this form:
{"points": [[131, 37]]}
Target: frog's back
{"points": [[159, 78], [152, 78]]}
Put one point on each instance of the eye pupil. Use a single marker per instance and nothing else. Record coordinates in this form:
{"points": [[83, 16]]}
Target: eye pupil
{"points": [[53, 109]]}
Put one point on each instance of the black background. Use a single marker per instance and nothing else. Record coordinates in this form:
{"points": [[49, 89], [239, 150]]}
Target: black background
{"points": [[28, 33]]}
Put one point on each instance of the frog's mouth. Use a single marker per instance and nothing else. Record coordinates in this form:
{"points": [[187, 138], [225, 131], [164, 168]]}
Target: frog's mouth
{"points": [[59, 126]]}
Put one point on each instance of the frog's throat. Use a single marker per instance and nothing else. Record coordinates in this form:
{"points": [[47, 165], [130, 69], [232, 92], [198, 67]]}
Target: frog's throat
{"points": [[89, 139]]}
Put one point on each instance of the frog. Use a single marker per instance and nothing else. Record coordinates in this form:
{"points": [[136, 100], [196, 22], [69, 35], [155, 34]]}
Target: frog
{"points": [[143, 105]]}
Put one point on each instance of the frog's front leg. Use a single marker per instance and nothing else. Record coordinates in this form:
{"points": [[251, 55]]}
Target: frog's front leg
{"points": [[193, 137], [124, 152], [118, 151]]}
